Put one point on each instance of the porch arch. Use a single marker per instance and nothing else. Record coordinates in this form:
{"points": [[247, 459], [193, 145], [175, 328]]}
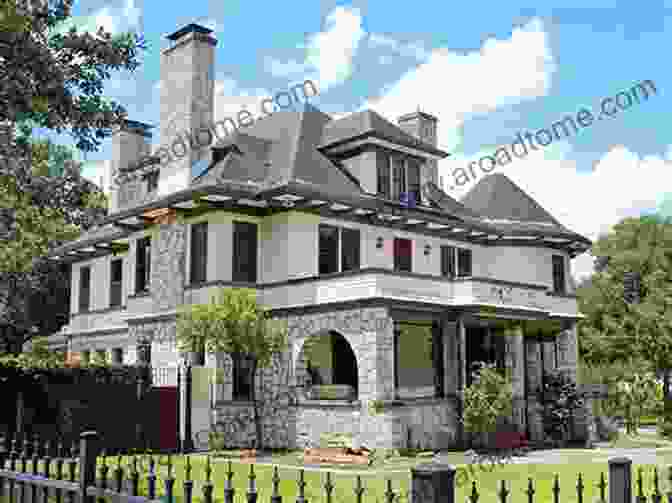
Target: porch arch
{"points": [[343, 355]]}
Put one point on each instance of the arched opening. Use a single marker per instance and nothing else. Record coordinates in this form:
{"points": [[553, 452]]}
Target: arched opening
{"points": [[328, 361]]}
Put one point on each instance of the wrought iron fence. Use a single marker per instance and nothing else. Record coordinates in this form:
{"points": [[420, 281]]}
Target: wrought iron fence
{"points": [[71, 477]]}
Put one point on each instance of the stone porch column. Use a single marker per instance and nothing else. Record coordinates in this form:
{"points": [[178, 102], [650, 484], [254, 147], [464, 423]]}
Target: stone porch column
{"points": [[568, 356], [461, 374], [534, 383], [515, 363]]}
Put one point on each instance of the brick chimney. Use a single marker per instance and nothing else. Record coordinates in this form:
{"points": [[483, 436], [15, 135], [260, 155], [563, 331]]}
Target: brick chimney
{"points": [[422, 125], [187, 86], [130, 142]]}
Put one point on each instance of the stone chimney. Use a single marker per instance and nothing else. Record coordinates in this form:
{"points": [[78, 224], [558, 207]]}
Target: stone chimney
{"points": [[187, 86], [130, 142], [422, 125]]}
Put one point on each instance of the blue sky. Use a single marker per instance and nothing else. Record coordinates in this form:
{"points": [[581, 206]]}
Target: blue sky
{"points": [[487, 71]]}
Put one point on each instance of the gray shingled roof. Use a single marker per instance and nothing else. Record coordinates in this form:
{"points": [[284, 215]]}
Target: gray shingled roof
{"points": [[370, 123], [497, 197], [280, 148]]}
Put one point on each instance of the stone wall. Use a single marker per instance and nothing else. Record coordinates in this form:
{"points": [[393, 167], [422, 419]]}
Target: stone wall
{"points": [[168, 266], [369, 332]]}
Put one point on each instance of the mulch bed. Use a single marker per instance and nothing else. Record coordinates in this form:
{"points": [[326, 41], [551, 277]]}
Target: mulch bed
{"points": [[336, 455]]}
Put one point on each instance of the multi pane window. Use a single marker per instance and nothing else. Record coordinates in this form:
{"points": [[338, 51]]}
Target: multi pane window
{"points": [[116, 274], [142, 265], [418, 359], [463, 262], [199, 252], [559, 274], [403, 255], [338, 243], [244, 252], [398, 174], [448, 261], [84, 288]]}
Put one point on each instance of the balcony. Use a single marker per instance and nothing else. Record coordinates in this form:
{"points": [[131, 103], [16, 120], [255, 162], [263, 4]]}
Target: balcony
{"points": [[403, 287]]}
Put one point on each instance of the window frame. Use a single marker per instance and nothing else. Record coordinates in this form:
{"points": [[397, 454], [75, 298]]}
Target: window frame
{"points": [[237, 377], [151, 180], [236, 273], [198, 253], [450, 269], [143, 252], [116, 286], [341, 252], [84, 306], [437, 355], [458, 262], [559, 283], [386, 180], [397, 266]]}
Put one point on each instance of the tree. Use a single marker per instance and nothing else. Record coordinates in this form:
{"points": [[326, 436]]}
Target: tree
{"points": [[235, 324], [55, 81], [614, 330]]}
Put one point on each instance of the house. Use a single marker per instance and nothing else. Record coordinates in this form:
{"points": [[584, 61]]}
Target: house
{"points": [[340, 227]]}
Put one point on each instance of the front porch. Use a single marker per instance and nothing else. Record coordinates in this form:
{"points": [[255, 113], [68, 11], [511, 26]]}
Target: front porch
{"points": [[404, 370]]}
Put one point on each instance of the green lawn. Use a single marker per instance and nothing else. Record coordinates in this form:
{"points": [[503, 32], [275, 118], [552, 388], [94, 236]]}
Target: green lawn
{"points": [[375, 484]]}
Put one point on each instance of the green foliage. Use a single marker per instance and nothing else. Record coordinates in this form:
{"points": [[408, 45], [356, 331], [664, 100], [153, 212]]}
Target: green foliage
{"points": [[488, 398], [375, 407], [49, 78], [635, 397], [234, 323], [39, 357], [613, 330], [561, 400]]}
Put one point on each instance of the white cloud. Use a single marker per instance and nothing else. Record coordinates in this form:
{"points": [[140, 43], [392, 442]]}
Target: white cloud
{"points": [[622, 184], [330, 53], [104, 19], [454, 86], [414, 49]]}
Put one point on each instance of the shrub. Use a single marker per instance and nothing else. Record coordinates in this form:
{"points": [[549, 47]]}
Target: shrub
{"points": [[561, 399], [486, 399]]}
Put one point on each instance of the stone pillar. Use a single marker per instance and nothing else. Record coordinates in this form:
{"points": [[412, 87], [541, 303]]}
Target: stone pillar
{"points": [[452, 368], [168, 264], [568, 355], [432, 483], [515, 362], [534, 380], [462, 375]]}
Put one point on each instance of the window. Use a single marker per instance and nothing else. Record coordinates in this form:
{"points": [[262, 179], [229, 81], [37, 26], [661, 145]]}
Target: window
{"points": [[116, 273], [398, 178], [403, 250], [118, 356], [242, 377], [86, 357], [350, 249], [143, 259], [199, 252], [383, 168], [101, 356], [559, 274], [84, 288], [418, 359], [334, 243], [152, 180], [328, 249], [398, 174], [244, 252], [448, 261], [463, 262]]}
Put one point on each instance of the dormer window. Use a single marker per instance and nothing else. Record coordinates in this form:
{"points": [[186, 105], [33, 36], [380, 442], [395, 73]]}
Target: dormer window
{"points": [[398, 174]]}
